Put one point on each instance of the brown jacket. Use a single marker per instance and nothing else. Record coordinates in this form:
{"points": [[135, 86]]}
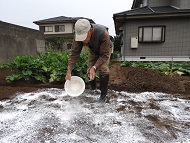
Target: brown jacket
{"points": [[99, 44]]}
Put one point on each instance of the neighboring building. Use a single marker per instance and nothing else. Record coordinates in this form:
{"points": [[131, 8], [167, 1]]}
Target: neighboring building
{"points": [[155, 30], [17, 40], [61, 27]]}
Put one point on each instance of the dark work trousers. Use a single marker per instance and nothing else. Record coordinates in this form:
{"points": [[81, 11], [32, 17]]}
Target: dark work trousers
{"points": [[103, 69]]}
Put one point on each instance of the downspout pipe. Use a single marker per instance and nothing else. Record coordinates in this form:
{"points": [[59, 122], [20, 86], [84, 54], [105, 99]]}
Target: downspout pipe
{"points": [[124, 41]]}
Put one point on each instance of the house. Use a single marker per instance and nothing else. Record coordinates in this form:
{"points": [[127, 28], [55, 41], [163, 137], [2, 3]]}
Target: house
{"points": [[17, 40], [155, 30], [61, 27]]}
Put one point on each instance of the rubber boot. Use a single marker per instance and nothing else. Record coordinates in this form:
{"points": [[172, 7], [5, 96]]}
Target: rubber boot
{"points": [[92, 86], [103, 87]]}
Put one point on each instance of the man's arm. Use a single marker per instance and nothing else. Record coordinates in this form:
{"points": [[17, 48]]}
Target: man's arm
{"points": [[74, 54], [73, 57]]}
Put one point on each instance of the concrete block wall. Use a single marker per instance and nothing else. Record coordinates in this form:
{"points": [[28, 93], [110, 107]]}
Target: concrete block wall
{"points": [[17, 40]]}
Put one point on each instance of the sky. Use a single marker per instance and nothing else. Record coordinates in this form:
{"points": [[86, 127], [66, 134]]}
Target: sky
{"points": [[25, 12]]}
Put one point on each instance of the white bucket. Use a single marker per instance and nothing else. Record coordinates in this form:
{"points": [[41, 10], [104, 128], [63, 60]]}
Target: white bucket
{"points": [[75, 86]]}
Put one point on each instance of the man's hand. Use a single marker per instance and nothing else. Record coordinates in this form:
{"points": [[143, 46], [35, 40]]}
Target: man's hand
{"points": [[68, 75], [92, 73]]}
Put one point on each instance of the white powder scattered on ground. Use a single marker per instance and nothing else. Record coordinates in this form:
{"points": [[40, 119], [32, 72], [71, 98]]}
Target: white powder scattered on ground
{"points": [[50, 116]]}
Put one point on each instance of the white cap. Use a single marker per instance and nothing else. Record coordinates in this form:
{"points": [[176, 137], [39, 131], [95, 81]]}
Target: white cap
{"points": [[82, 26]]}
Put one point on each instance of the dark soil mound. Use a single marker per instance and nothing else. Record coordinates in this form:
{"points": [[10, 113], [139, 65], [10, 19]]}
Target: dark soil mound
{"points": [[144, 79], [121, 79]]}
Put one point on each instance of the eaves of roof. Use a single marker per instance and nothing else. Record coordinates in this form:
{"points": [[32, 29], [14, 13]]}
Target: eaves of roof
{"points": [[60, 19]]}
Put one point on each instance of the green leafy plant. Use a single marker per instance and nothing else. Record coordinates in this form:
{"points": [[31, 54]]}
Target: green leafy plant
{"points": [[50, 66], [168, 68]]}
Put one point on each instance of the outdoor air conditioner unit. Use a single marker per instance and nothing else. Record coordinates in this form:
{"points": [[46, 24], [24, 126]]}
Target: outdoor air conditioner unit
{"points": [[134, 42]]}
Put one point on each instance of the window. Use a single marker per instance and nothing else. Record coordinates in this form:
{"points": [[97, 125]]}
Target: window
{"points": [[59, 28], [151, 34], [48, 28]]}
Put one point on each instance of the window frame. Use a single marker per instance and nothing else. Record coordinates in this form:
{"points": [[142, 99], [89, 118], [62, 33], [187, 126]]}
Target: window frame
{"points": [[45, 30], [141, 34], [57, 28], [61, 26]]}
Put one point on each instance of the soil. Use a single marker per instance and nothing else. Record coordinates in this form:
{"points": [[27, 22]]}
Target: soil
{"points": [[128, 79]]}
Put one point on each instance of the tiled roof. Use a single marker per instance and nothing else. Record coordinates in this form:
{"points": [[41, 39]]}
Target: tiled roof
{"points": [[148, 12], [152, 10], [143, 10], [60, 19]]}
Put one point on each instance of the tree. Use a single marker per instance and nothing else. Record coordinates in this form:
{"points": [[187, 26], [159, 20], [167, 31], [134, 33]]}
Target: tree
{"points": [[56, 43], [117, 43]]}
